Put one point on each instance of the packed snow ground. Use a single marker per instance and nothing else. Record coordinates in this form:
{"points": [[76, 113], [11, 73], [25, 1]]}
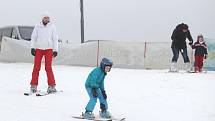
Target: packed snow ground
{"points": [[138, 95]]}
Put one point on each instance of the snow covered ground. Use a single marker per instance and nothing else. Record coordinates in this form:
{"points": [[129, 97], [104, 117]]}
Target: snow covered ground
{"points": [[138, 95]]}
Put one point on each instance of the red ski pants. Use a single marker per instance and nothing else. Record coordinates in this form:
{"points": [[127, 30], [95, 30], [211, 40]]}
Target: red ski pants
{"points": [[48, 66], [199, 62]]}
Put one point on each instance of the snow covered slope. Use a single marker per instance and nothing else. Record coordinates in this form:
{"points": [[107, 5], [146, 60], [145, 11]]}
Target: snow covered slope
{"points": [[138, 95]]}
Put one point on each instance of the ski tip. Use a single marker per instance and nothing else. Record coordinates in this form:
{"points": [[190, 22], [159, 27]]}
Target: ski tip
{"points": [[78, 117], [123, 119], [118, 119], [27, 94]]}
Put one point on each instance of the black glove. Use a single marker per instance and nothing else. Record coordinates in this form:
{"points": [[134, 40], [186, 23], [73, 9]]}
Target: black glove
{"points": [[33, 51], [102, 107], [206, 56], [94, 92], [54, 54], [104, 94], [191, 43]]}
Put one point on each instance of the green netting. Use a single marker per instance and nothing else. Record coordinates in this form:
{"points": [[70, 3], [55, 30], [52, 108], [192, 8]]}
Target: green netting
{"points": [[210, 62]]}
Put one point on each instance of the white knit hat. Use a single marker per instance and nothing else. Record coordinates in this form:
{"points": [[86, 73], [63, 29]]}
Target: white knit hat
{"points": [[46, 14]]}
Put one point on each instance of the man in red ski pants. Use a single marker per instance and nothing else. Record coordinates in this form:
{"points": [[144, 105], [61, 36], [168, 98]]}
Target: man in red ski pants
{"points": [[44, 42]]}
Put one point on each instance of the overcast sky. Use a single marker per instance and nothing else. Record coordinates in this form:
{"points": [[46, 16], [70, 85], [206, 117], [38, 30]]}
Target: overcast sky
{"points": [[122, 20]]}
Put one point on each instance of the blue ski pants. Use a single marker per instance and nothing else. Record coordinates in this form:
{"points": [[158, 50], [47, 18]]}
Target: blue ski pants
{"points": [[93, 100]]}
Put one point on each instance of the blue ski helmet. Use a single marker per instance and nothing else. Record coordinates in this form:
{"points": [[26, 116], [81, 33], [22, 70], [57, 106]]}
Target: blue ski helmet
{"points": [[106, 62]]}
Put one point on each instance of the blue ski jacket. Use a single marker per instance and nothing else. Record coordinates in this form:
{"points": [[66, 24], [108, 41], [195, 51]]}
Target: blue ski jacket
{"points": [[96, 79]]}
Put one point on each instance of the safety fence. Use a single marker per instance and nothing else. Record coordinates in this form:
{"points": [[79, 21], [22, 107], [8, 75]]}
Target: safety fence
{"points": [[136, 55]]}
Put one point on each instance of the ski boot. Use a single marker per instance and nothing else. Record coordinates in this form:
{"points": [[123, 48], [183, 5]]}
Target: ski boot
{"points": [[187, 67], [105, 114], [173, 67], [197, 69], [33, 89], [88, 115], [51, 89]]}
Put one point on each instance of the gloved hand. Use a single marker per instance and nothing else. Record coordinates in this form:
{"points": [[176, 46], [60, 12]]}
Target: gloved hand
{"points": [[33, 51], [104, 94], [206, 56], [191, 43], [94, 92], [54, 54], [102, 107]]}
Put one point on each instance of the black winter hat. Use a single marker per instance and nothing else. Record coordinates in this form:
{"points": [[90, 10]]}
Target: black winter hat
{"points": [[184, 26]]}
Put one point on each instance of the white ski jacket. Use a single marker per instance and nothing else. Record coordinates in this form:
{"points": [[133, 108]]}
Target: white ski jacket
{"points": [[44, 37]]}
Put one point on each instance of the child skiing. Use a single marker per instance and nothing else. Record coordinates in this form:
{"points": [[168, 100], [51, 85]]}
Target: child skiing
{"points": [[95, 89], [200, 53]]}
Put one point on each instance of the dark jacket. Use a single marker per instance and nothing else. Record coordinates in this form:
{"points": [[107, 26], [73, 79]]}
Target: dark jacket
{"points": [[179, 37], [201, 49]]}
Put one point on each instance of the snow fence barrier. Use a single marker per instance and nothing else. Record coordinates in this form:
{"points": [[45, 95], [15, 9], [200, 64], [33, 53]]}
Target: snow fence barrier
{"points": [[136, 55]]}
